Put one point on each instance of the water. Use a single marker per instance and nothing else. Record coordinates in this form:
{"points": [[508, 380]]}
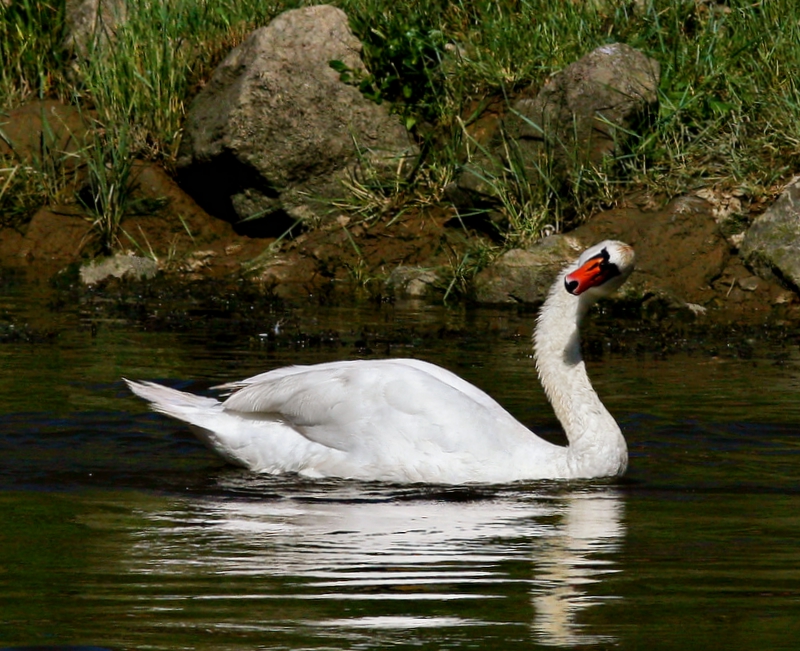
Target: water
{"points": [[119, 530]]}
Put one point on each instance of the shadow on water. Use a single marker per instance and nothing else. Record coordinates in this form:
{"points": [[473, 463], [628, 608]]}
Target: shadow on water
{"points": [[118, 529]]}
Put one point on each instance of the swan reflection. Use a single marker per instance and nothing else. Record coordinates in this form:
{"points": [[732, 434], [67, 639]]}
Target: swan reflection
{"points": [[520, 558], [591, 525]]}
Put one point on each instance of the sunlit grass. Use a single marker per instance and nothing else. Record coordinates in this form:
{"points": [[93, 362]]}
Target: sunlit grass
{"points": [[729, 113]]}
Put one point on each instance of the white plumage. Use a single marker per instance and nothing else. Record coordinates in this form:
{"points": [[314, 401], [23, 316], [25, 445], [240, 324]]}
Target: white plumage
{"points": [[405, 420]]}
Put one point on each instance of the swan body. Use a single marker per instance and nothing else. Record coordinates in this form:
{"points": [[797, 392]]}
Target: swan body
{"points": [[405, 420]]}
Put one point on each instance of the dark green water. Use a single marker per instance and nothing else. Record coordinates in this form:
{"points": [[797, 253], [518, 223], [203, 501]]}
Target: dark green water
{"points": [[117, 529]]}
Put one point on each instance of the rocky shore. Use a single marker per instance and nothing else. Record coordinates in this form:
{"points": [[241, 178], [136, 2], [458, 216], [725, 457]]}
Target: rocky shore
{"points": [[277, 141]]}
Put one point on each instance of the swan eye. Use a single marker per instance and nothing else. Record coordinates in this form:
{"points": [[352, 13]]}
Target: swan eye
{"points": [[592, 273]]}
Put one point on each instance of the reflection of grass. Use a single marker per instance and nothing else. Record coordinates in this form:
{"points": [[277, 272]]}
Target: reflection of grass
{"points": [[729, 104]]}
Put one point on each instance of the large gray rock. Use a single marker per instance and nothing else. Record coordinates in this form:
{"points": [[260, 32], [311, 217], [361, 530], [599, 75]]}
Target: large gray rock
{"points": [[771, 246], [582, 113], [578, 118], [275, 132]]}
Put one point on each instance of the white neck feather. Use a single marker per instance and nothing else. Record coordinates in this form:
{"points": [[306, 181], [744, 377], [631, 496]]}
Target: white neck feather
{"points": [[596, 445]]}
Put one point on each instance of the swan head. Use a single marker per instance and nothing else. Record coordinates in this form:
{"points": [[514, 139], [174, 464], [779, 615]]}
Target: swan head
{"points": [[600, 270]]}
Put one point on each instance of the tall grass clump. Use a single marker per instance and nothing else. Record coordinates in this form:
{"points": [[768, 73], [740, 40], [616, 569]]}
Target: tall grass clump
{"points": [[729, 110], [108, 193], [31, 56], [159, 56]]}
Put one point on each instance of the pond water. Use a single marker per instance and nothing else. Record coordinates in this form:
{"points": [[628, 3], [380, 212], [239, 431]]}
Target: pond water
{"points": [[119, 530]]}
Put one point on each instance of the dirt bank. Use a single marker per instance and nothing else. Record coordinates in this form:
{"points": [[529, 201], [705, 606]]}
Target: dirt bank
{"points": [[686, 251]]}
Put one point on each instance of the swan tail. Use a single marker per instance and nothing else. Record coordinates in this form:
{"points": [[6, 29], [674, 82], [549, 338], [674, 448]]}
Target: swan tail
{"points": [[255, 441], [172, 402], [203, 415]]}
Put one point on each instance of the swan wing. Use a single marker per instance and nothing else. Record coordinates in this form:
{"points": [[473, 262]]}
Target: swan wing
{"points": [[386, 406], [380, 366]]}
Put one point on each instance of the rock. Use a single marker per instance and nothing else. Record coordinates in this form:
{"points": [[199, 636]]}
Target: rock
{"points": [[771, 246], [680, 250], [275, 132], [679, 253], [288, 276], [412, 282], [10, 245], [118, 266], [525, 276], [583, 111], [91, 23], [180, 220], [578, 118], [749, 284]]}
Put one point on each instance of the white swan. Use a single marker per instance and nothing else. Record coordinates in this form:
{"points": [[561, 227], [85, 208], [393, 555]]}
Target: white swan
{"points": [[404, 420]]}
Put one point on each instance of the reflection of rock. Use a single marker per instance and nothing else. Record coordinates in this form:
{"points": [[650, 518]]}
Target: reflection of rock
{"points": [[345, 542], [771, 246], [275, 132]]}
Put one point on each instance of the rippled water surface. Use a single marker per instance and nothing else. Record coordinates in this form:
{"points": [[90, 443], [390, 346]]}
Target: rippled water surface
{"points": [[119, 530]]}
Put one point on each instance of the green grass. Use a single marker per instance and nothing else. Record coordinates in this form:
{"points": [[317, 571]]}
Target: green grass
{"points": [[729, 112]]}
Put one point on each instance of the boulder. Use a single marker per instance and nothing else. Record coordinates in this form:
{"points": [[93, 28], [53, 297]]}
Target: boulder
{"points": [[680, 250], [582, 112], [578, 118], [679, 254], [274, 134], [412, 282], [54, 237], [771, 246], [525, 275]]}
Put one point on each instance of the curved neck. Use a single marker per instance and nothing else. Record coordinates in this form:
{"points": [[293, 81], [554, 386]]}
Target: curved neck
{"points": [[596, 445]]}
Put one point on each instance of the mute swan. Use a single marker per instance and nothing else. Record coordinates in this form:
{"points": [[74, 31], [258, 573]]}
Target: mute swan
{"points": [[405, 420]]}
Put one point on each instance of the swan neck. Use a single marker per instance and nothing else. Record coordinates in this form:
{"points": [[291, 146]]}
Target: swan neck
{"points": [[596, 445]]}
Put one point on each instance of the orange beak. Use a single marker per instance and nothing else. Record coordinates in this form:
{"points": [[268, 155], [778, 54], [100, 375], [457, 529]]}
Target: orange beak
{"points": [[595, 271]]}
